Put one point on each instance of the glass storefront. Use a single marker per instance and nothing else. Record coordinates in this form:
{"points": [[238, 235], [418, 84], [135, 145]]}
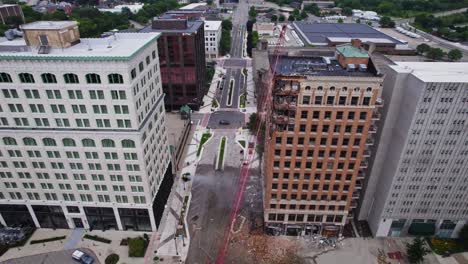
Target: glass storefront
{"points": [[100, 218], [16, 215], [136, 219], [50, 216]]}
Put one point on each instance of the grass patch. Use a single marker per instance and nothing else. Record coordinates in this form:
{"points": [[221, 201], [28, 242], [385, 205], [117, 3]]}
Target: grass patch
{"points": [[47, 240], [136, 247], [112, 259], [231, 85], [98, 238], [203, 140], [242, 99], [242, 142], [445, 246], [221, 152]]}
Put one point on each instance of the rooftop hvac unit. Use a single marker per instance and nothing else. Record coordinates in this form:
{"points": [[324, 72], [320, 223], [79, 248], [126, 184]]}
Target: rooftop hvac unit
{"points": [[350, 67], [362, 67]]}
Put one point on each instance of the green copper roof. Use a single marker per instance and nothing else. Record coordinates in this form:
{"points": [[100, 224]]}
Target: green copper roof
{"points": [[350, 51], [185, 109]]}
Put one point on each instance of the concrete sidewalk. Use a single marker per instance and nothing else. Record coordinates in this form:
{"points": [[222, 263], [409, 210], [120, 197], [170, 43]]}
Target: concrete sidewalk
{"points": [[208, 98]]}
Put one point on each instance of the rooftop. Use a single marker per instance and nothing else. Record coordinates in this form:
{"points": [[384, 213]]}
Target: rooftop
{"points": [[323, 33], [435, 71], [350, 51], [192, 27], [212, 25], [121, 46], [192, 6], [317, 66], [49, 25]]}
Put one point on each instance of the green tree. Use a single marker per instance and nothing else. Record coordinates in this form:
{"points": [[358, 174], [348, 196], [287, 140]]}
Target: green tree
{"points": [[423, 48], [274, 18], [255, 38], [386, 22], [455, 55], [416, 251], [281, 18], [252, 12], [226, 24], [369, 23], [340, 20], [209, 2], [347, 11], [29, 14], [252, 121], [304, 15], [55, 16], [463, 235], [358, 21], [225, 42], [291, 18], [14, 21], [312, 9], [386, 7], [435, 54]]}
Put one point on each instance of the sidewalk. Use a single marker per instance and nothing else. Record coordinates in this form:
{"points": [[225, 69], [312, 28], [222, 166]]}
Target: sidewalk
{"points": [[251, 104], [170, 247], [208, 98]]}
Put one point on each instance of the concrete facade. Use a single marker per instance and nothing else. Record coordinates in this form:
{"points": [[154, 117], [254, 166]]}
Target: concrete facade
{"points": [[83, 135], [212, 39], [419, 174]]}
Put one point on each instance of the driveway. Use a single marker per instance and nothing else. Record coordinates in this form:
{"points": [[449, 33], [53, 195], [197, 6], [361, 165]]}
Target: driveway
{"points": [[55, 257]]}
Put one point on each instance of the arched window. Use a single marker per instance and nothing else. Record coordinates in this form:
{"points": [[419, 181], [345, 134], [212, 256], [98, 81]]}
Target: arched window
{"points": [[68, 142], [9, 141], [5, 77], [127, 143], [108, 143], [48, 78], [344, 89], [332, 88], [320, 88], [29, 141], [93, 78], [49, 142], [307, 88], [26, 78], [70, 78], [369, 89], [356, 89], [88, 142], [115, 78]]}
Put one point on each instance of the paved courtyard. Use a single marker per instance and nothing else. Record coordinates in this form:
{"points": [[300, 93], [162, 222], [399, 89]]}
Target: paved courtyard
{"points": [[55, 257]]}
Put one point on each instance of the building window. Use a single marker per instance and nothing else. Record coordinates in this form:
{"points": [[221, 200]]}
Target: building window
{"points": [[29, 141], [115, 78], [88, 142], [70, 78], [49, 142], [127, 143], [68, 142], [108, 143], [48, 78], [5, 77], [26, 78], [93, 78], [9, 141]]}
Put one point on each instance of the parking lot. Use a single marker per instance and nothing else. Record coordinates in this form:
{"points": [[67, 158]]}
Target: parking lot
{"points": [[55, 257]]}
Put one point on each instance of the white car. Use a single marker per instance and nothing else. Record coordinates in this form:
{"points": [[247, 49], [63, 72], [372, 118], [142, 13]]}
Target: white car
{"points": [[82, 257]]}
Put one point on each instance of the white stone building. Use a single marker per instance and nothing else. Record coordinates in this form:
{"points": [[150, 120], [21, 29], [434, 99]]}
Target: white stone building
{"points": [[82, 130], [419, 177], [212, 38]]}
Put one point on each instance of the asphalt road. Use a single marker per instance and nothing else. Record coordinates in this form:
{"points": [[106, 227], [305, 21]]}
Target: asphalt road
{"points": [[55, 257], [212, 196], [236, 119]]}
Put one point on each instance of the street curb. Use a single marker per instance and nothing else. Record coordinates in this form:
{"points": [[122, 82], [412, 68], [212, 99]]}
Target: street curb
{"points": [[203, 147], [219, 153]]}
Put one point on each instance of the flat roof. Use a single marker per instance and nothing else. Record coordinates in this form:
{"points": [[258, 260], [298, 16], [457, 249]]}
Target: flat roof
{"points": [[318, 33], [44, 25], [192, 6], [443, 72], [192, 27], [350, 51], [121, 46], [315, 66], [212, 25]]}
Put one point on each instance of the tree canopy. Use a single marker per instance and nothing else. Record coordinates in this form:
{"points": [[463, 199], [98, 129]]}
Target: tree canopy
{"points": [[455, 55], [416, 251]]}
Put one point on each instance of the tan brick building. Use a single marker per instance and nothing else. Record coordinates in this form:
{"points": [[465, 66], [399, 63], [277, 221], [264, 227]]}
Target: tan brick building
{"points": [[321, 125]]}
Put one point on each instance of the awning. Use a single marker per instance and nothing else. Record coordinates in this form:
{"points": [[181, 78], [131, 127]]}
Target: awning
{"points": [[422, 229]]}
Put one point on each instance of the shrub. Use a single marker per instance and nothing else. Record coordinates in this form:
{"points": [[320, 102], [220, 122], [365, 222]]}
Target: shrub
{"points": [[112, 259], [47, 240], [98, 238], [136, 247]]}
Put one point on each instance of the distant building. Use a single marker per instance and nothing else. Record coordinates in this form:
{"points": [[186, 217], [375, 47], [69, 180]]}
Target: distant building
{"points": [[10, 11], [212, 38], [134, 8], [325, 7], [418, 182], [320, 125], [265, 29], [182, 61], [82, 130], [333, 34], [195, 6]]}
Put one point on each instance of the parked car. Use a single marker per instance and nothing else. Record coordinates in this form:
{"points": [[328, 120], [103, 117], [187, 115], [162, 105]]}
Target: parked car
{"points": [[224, 122], [82, 257]]}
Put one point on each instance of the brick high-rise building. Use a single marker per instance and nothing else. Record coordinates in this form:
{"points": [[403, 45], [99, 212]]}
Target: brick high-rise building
{"points": [[321, 124], [182, 60]]}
